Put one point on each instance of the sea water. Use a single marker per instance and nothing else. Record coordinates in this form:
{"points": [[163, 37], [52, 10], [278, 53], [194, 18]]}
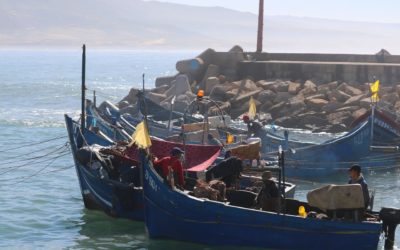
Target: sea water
{"points": [[40, 201]]}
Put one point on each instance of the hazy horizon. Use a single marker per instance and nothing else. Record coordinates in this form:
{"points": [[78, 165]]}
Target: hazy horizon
{"points": [[165, 26]]}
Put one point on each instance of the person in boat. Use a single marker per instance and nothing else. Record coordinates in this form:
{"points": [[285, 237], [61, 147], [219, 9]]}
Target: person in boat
{"points": [[172, 163], [356, 177], [214, 141], [268, 199], [253, 127]]}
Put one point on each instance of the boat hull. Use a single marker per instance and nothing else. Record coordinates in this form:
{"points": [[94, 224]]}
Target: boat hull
{"points": [[175, 215]]}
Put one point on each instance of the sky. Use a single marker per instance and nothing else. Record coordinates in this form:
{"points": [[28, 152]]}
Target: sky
{"points": [[353, 10]]}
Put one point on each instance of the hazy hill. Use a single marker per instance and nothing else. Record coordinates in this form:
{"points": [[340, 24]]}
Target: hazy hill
{"points": [[155, 25]]}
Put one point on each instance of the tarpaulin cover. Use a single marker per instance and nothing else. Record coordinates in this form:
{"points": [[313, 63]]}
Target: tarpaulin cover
{"points": [[198, 157]]}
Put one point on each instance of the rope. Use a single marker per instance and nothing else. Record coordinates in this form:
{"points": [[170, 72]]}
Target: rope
{"points": [[35, 157], [32, 144], [9, 169], [37, 172]]}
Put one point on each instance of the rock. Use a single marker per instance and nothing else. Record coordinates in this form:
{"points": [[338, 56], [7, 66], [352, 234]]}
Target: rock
{"points": [[282, 97], [222, 78], [310, 84], [123, 104], [236, 49], [338, 95], [265, 85], [307, 91], [190, 66], [276, 109], [350, 109], [294, 88], [342, 117], [224, 107], [265, 117], [390, 98], [157, 98], [316, 103], [212, 71], [131, 109], [365, 102], [181, 86], [325, 88], [397, 89], [131, 98], [164, 80], [313, 120], [331, 107], [247, 85], [266, 95], [344, 87], [296, 105], [316, 96], [397, 105], [354, 100], [280, 87], [210, 83], [244, 97], [219, 93], [359, 113], [161, 89], [265, 106], [335, 128]]}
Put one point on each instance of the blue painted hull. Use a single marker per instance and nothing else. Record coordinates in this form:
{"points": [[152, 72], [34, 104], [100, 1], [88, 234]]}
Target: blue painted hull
{"points": [[337, 155], [112, 197], [175, 215]]}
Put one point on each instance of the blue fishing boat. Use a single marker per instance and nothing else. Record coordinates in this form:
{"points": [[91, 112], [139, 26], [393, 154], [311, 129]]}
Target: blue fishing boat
{"points": [[118, 197], [333, 156], [175, 214]]}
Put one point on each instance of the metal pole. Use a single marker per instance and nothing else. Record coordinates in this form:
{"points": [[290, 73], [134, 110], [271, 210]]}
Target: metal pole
{"points": [[260, 26], [83, 112]]}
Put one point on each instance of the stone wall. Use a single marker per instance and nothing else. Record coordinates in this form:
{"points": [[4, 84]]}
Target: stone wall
{"points": [[321, 72]]}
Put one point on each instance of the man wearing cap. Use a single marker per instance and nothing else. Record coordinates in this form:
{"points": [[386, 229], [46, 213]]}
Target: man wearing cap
{"points": [[172, 163], [356, 177], [253, 127], [268, 198]]}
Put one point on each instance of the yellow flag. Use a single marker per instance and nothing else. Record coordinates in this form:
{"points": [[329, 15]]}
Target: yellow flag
{"points": [[252, 108], [374, 91], [141, 136], [229, 138]]}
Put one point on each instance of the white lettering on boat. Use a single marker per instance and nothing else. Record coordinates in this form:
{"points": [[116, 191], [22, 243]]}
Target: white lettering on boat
{"points": [[361, 137], [150, 180], [386, 126]]}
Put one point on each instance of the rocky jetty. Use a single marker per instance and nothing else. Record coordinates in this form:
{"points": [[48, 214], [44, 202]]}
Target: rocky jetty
{"points": [[312, 105]]}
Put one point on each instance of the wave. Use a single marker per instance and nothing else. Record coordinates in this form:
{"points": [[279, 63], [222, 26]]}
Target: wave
{"points": [[35, 117]]}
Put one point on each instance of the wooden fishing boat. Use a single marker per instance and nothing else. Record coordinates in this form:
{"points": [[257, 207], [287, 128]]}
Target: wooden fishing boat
{"points": [[333, 156], [175, 214], [115, 197]]}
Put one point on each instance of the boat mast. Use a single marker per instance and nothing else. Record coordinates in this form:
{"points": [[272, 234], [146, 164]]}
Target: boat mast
{"points": [[83, 112]]}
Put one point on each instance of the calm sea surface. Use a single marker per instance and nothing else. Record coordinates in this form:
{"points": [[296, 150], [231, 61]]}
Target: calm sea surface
{"points": [[40, 201]]}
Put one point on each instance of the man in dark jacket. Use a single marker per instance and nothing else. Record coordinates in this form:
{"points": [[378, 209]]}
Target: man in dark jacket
{"points": [[253, 128], [356, 177]]}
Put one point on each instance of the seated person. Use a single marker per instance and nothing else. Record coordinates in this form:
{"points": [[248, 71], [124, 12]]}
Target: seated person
{"points": [[268, 198], [356, 177], [172, 163]]}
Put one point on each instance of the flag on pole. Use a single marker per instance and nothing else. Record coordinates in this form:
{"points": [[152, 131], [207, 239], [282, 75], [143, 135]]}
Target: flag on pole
{"points": [[230, 138], [141, 136], [252, 108], [374, 91]]}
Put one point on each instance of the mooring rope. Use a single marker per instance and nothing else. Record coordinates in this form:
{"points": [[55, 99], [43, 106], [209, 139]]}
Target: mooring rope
{"points": [[33, 143], [61, 149]]}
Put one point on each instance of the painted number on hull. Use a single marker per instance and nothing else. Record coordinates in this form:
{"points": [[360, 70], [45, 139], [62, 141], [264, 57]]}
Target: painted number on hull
{"points": [[150, 180], [360, 138]]}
